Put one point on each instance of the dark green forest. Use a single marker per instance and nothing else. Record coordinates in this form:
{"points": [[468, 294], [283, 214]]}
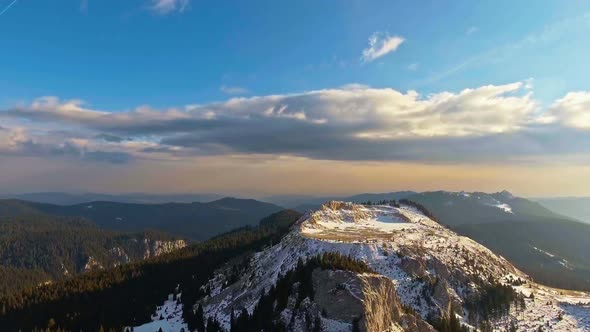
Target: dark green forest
{"points": [[194, 221], [41, 248], [127, 295]]}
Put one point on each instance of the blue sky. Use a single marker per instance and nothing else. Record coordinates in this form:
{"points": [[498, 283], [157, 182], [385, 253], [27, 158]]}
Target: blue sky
{"points": [[124, 95], [121, 54]]}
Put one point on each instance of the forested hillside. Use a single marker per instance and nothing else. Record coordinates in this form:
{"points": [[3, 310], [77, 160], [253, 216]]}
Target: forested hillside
{"points": [[128, 294], [38, 249], [195, 221]]}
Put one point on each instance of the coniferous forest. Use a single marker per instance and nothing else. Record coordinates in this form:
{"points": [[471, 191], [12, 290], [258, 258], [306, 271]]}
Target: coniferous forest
{"points": [[127, 295], [38, 248]]}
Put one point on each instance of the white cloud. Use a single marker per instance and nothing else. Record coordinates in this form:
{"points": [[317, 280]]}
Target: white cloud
{"points": [[164, 7], [413, 66], [233, 90], [471, 112], [379, 45], [352, 122], [573, 110]]}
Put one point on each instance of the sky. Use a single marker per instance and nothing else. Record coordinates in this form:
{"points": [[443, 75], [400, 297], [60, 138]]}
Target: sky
{"points": [[307, 97]]}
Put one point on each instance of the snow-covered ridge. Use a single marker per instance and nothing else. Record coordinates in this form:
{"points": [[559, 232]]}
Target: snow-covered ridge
{"points": [[419, 256], [336, 217]]}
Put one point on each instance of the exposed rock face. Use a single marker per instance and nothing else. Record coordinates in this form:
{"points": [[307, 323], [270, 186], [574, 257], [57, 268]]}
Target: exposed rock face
{"points": [[133, 251], [370, 299], [339, 294], [92, 264], [414, 267], [383, 310], [337, 205], [157, 247], [120, 255]]}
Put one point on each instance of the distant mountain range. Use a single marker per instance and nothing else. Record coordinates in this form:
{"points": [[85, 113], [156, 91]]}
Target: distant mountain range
{"points": [[60, 198], [574, 207], [195, 221], [298, 202], [552, 248]]}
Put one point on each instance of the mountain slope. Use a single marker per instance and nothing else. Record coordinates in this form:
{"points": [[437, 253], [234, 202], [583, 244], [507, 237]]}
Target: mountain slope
{"points": [[433, 273], [550, 247], [41, 249], [128, 294], [345, 267], [196, 221], [573, 207]]}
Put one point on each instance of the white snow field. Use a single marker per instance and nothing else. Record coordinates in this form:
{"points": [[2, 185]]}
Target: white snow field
{"points": [[168, 317]]}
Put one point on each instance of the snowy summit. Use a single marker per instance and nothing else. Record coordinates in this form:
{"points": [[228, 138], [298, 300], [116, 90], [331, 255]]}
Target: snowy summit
{"points": [[421, 272]]}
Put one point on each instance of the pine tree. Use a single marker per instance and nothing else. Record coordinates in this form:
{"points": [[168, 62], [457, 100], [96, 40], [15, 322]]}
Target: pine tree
{"points": [[454, 324], [200, 319], [356, 325], [232, 322], [317, 325]]}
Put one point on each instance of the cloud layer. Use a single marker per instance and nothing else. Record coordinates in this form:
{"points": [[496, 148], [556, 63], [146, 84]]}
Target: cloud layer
{"points": [[355, 122]]}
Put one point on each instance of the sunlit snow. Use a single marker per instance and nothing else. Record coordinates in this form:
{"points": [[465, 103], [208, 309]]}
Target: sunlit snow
{"points": [[168, 317]]}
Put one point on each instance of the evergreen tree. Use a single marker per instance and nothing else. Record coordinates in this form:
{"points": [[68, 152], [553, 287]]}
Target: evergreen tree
{"points": [[200, 319], [356, 325], [317, 325]]}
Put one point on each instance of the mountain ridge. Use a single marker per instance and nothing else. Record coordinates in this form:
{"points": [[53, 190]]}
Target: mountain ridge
{"points": [[195, 221], [421, 257], [64, 198], [573, 207], [517, 228]]}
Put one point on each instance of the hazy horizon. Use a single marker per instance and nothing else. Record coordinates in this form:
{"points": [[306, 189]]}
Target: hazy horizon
{"points": [[276, 196], [154, 96]]}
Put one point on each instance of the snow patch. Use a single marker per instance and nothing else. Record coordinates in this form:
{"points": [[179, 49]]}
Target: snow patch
{"points": [[171, 314]]}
